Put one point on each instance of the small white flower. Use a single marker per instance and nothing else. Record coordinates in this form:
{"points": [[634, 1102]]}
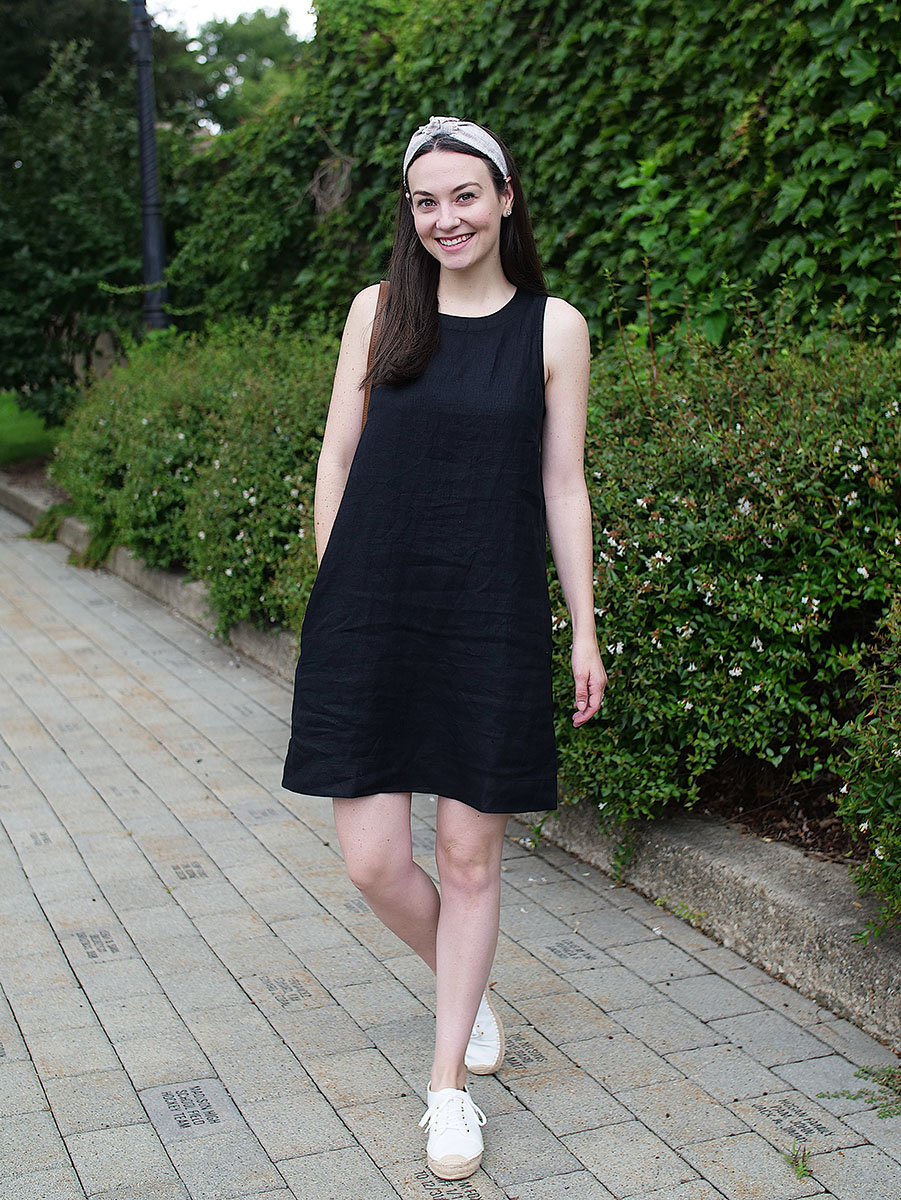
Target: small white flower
{"points": [[756, 644], [692, 667], [228, 570], [864, 826], [864, 452], [687, 705], [615, 648], [744, 506], [758, 579], [879, 852], [843, 790], [180, 436], [797, 627], [756, 687], [144, 421], [864, 572], [641, 502], [201, 535], [735, 671]]}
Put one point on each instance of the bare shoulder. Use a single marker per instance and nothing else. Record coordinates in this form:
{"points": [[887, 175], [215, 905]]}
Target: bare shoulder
{"points": [[565, 335], [362, 309], [563, 319]]}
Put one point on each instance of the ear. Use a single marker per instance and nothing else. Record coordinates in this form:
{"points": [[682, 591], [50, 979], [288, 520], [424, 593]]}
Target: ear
{"points": [[508, 193]]}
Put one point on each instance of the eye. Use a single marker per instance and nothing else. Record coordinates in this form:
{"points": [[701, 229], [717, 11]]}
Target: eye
{"points": [[424, 202], [467, 196]]}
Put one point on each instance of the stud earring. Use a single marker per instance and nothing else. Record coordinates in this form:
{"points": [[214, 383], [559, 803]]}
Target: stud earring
{"points": [[508, 212]]}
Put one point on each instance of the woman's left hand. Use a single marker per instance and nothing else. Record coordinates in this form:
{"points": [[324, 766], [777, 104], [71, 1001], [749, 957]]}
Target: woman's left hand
{"points": [[590, 679]]}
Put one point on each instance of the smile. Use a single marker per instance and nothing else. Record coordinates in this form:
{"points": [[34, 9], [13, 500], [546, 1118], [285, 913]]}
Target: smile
{"points": [[454, 241]]}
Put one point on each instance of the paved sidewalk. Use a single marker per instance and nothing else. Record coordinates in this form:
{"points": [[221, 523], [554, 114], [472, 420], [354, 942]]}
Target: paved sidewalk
{"points": [[196, 1003]]}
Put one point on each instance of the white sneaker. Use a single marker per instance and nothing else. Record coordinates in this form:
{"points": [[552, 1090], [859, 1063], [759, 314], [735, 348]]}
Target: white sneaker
{"points": [[485, 1051], [455, 1135]]}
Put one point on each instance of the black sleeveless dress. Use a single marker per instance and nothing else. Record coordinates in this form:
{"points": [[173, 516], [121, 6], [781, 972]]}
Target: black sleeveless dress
{"points": [[425, 652]]}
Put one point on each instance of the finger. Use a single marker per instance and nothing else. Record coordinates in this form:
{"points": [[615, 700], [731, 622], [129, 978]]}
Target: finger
{"points": [[592, 700]]}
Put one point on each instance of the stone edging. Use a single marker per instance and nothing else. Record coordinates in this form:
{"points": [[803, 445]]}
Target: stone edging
{"points": [[789, 913]]}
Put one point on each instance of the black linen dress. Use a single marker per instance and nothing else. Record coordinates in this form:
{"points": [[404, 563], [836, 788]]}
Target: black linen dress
{"points": [[425, 652]]}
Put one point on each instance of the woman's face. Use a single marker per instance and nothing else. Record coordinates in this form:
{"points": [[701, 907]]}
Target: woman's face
{"points": [[456, 208]]}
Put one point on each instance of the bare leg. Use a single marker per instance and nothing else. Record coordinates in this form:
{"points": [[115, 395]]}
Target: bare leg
{"points": [[468, 850], [375, 837]]}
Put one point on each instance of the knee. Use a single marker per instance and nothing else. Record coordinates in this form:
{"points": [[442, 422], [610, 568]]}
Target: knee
{"points": [[467, 868], [374, 874]]}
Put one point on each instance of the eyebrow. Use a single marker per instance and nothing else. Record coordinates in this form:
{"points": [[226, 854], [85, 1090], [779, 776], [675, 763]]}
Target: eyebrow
{"points": [[458, 188]]}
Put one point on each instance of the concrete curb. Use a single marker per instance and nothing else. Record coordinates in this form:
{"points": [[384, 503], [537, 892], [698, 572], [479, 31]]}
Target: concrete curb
{"points": [[790, 914]]}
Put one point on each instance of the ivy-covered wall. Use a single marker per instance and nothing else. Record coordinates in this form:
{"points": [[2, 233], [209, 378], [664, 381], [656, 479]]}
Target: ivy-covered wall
{"points": [[720, 140]]}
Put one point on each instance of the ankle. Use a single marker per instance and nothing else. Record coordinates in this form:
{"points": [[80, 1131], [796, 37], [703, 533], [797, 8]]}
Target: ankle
{"points": [[439, 1080]]}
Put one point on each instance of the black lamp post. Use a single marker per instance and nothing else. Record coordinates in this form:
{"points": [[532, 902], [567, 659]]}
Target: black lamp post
{"points": [[153, 245]]}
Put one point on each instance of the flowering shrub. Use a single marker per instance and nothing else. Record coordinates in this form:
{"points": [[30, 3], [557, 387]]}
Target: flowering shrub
{"points": [[747, 506], [201, 453], [249, 519], [130, 450], [870, 798]]}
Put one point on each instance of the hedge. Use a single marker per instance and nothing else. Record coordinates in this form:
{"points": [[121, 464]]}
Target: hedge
{"points": [[721, 139]]}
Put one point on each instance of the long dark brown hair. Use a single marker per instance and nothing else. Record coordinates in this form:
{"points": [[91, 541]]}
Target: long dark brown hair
{"points": [[410, 328]]}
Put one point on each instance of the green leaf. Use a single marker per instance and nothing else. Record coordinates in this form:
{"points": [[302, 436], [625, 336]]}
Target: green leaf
{"points": [[861, 66], [864, 111]]}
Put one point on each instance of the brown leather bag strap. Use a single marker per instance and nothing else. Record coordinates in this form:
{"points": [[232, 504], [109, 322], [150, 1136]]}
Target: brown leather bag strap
{"points": [[373, 338]]}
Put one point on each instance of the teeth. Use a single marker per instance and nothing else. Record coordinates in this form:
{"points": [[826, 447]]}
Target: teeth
{"points": [[455, 241]]}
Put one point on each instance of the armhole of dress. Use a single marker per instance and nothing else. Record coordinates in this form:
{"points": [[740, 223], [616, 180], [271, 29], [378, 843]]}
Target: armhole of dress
{"points": [[544, 300]]}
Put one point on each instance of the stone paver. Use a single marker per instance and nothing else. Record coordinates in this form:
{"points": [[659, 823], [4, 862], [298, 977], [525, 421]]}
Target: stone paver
{"points": [[197, 1005]]}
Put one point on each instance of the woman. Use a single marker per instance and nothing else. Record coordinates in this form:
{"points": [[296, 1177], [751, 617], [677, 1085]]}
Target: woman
{"points": [[426, 646]]}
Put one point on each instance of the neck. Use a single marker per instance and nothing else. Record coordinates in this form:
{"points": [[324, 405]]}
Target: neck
{"points": [[462, 295]]}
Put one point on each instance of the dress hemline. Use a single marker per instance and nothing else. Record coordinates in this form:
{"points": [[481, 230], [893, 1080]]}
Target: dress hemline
{"points": [[355, 790]]}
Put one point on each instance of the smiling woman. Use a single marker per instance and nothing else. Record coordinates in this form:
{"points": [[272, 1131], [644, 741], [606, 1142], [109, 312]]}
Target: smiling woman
{"points": [[425, 659]]}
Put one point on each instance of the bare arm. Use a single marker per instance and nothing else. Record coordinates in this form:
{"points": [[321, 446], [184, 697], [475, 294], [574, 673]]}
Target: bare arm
{"points": [[567, 357], [342, 429]]}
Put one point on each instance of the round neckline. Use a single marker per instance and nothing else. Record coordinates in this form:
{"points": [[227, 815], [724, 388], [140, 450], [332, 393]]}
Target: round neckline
{"points": [[500, 314]]}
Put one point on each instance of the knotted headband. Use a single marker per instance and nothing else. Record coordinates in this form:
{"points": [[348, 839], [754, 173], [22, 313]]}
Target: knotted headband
{"points": [[464, 131]]}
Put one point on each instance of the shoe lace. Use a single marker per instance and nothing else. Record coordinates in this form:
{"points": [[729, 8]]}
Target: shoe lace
{"points": [[452, 1112]]}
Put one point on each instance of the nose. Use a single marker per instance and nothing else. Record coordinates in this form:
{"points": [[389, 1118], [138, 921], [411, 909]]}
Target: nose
{"points": [[447, 218]]}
